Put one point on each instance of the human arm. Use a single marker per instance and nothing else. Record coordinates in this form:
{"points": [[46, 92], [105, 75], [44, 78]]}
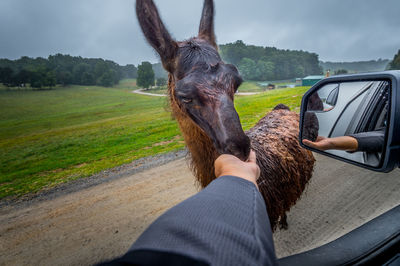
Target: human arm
{"points": [[224, 224], [345, 143], [372, 141]]}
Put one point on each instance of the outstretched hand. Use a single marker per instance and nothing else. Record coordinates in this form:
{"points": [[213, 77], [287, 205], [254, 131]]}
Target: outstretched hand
{"points": [[345, 143], [227, 164], [321, 143]]}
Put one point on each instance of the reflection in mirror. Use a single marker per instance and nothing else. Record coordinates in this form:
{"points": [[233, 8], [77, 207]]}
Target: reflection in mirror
{"points": [[324, 99], [348, 120]]}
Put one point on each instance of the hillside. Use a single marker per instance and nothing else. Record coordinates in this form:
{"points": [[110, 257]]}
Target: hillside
{"points": [[356, 67], [55, 136], [269, 63]]}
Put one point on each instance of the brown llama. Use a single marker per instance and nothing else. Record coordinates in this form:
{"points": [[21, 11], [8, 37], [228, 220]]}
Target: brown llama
{"points": [[201, 91]]}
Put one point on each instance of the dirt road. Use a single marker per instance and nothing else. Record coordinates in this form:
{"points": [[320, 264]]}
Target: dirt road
{"points": [[102, 221], [140, 91]]}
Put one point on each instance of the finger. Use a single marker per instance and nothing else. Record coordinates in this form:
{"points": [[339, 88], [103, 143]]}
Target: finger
{"points": [[224, 157], [310, 143], [258, 172], [252, 157]]}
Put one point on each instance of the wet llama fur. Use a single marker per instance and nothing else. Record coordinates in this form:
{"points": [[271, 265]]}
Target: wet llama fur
{"points": [[285, 166]]}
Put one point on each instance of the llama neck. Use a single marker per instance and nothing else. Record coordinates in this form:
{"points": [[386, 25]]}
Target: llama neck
{"points": [[200, 146]]}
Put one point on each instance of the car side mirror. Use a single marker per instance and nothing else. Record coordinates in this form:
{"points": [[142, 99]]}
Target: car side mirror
{"points": [[354, 118]]}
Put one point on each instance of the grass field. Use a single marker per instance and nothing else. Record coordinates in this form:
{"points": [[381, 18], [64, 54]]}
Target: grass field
{"points": [[54, 136], [250, 86], [158, 90], [247, 86]]}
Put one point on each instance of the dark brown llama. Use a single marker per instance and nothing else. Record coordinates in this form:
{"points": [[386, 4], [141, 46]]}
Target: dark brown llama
{"points": [[201, 91]]}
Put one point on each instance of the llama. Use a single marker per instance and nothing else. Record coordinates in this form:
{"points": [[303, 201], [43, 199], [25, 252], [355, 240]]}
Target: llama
{"points": [[201, 90]]}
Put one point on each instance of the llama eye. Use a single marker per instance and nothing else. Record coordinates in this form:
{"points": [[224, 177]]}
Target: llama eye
{"points": [[186, 100]]}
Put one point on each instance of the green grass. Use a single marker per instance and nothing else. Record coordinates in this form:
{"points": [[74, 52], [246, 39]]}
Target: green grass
{"points": [[247, 86], [253, 108], [158, 90], [49, 137], [27, 88], [127, 84], [250, 86], [54, 136]]}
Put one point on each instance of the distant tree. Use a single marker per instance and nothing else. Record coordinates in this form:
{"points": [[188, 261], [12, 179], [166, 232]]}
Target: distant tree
{"points": [[49, 79], [159, 71], [395, 64], [36, 83], [161, 82], [299, 71], [87, 79], [234, 52], [106, 79], [248, 69], [43, 78], [129, 71], [100, 68], [67, 70], [64, 77], [78, 72], [37, 79], [357, 66], [266, 70], [283, 67], [270, 63], [145, 76], [115, 75], [6, 76], [340, 72], [22, 78]]}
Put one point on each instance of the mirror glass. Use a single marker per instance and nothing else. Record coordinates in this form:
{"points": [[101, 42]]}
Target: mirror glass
{"points": [[348, 119]]}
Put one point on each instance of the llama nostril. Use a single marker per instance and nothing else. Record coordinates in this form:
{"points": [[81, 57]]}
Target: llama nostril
{"points": [[239, 148]]}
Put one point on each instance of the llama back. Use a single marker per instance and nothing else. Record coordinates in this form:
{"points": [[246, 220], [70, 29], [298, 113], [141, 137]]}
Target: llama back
{"points": [[285, 166]]}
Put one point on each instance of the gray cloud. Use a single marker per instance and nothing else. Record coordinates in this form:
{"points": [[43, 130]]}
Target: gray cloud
{"points": [[336, 30]]}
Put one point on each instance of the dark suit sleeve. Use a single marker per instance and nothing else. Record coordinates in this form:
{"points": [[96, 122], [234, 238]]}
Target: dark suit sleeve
{"points": [[370, 141], [224, 224]]}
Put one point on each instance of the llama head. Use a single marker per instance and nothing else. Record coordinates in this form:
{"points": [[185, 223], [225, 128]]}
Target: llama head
{"points": [[203, 85]]}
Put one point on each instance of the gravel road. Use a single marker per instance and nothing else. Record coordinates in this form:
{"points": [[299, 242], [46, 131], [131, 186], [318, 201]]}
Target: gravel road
{"points": [[97, 219]]}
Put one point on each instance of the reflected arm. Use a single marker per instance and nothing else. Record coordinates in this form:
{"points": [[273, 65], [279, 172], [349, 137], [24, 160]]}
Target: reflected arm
{"points": [[366, 141], [345, 143]]}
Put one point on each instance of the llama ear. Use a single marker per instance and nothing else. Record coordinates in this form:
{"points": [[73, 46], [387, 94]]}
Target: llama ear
{"points": [[156, 33], [206, 29]]}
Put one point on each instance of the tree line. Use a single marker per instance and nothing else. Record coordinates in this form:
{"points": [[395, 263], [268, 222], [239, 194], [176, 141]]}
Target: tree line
{"points": [[147, 74], [269, 63], [62, 69], [254, 63], [395, 63], [357, 66]]}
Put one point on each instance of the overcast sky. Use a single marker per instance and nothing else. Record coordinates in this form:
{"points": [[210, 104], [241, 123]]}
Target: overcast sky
{"points": [[340, 30]]}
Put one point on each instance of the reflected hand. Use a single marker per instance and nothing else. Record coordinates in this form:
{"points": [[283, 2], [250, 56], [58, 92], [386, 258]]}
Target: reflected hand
{"points": [[328, 109], [345, 143], [227, 164], [321, 143]]}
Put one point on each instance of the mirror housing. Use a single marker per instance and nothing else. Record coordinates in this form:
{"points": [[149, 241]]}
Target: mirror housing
{"points": [[389, 157]]}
